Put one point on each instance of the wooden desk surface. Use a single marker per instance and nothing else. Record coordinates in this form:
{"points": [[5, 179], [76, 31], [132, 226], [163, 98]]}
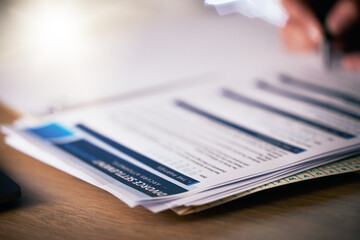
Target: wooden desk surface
{"points": [[55, 205]]}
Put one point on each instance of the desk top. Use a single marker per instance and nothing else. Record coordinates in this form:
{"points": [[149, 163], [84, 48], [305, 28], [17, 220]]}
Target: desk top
{"points": [[55, 205]]}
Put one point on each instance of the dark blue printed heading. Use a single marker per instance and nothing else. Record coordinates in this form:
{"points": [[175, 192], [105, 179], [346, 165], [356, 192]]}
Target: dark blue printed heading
{"points": [[245, 100], [260, 136], [120, 169], [173, 174]]}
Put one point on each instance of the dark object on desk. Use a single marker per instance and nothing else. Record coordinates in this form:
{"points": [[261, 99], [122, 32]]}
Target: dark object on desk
{"points": [[9, 190]]}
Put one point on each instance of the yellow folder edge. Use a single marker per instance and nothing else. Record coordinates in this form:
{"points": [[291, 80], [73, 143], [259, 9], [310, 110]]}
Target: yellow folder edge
{"points": [[339, 167]]}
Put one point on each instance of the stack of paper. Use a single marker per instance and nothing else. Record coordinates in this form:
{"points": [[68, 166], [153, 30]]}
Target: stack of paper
{"points": [[194, 145], [339, 167]]}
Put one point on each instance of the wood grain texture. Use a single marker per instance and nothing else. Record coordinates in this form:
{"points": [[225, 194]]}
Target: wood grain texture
{"points": [[55, 205]]}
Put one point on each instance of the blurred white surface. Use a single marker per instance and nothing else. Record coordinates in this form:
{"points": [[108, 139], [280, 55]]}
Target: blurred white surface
{"points": [[124, 46]]}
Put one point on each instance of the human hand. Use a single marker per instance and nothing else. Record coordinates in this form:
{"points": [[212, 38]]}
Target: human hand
{"points": [[304, 30]]}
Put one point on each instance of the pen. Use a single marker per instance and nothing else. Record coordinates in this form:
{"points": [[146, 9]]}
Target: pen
{"points": [[322, 9], [326, 49]]}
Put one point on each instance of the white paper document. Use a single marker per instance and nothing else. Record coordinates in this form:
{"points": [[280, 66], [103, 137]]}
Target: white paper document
{"points": [[196, 144]]}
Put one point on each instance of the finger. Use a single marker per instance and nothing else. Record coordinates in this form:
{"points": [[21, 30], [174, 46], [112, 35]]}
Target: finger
{"points": [[299, 11], [343, 15], [352, 62], [296, 38]]}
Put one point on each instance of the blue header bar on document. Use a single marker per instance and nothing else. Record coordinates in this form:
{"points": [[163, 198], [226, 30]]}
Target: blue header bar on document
{"points": [[120, 169], [175, 175], [54, 132]]}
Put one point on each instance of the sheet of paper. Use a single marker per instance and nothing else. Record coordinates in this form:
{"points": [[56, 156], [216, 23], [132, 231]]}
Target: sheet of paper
{"points": [[200, 143]]}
